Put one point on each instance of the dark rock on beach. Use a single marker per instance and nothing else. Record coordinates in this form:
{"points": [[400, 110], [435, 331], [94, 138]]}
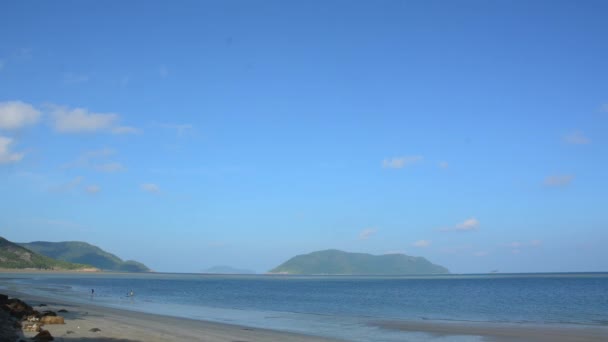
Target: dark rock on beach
{"points": [[18, 308], [44, 335]]}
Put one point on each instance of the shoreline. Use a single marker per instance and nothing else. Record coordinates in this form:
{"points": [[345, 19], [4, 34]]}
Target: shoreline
{"points": [[130, 326]]}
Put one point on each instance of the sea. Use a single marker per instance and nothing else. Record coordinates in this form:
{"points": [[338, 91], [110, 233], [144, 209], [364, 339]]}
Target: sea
{"points": [[343, 307]]}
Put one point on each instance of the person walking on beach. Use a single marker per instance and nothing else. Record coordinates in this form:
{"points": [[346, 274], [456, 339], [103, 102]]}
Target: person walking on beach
{"points": [[92, 292]]}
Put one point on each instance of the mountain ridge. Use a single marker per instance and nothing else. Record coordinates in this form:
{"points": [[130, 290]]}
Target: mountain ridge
{"points": [[15, 256], [84, 252]]}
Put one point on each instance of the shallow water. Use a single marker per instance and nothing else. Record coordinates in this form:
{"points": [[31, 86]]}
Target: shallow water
{"points": [[342, 306]]}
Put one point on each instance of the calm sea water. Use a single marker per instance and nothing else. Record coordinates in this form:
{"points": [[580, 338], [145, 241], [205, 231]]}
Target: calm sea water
{"points": [[341, 307]]}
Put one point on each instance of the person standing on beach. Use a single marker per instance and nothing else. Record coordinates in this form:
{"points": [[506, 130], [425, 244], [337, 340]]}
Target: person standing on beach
{"points": [[92, 292]]}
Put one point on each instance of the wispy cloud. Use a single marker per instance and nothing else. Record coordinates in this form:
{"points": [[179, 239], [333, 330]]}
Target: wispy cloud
{"points": [[443, 165], [422, 243], [470, 224], [110, 167], [92, 189], [97, 160], [558, 180], [68, 186], [480, 253], [400, 162], [367, 233], [6, 155], [180, 129], [81, 120], [150, 187], [604, 108], [17, 114], [576, 138]]}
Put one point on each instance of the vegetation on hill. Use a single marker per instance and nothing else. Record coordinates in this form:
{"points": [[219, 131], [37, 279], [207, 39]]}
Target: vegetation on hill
{"points": [[338, 262], [82, 252], [14, 256]]}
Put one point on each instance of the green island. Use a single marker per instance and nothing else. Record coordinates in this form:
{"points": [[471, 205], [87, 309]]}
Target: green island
{"points": [[336, 262]]}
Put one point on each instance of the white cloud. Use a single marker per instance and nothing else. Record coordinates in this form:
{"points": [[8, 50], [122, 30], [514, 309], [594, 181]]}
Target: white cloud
{"points": [[444, 165], [6, 155], [576, 138], [467, 225], [81, 120], [110, 167], [558, 180], [92, 189], [367, 233], [16, 114], [422, 243], [400, 162], [150, 187]]}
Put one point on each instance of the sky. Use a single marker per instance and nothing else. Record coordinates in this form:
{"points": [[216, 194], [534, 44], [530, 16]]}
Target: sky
{"points": [[198, 133]]}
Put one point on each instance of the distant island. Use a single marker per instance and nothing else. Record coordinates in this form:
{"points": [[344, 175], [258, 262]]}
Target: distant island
{"points": [[14, 256], [85, 253], [336, 262], [221, 269]]}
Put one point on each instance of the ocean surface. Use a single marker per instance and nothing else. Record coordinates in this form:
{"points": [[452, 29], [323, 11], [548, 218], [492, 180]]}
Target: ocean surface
{"points": [[342, 307]]}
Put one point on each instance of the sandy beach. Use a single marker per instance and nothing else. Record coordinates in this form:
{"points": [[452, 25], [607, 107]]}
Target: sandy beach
{"points": [[123, 325], [88, 322]]}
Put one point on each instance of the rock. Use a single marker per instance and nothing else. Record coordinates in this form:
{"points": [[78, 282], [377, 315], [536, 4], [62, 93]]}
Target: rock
{"points": [[52, 320], [19, 308], [41, 304], [3, 299], [63, 310], [44, 335], [95, 330], [49, 313], [69, 332], [35, 327]]}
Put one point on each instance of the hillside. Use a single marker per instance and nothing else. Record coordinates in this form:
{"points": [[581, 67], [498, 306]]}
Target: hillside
{"points": [[82, 252], [14, 256], [338, 262]]}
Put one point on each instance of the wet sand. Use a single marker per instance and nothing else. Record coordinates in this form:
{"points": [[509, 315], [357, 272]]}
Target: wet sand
{"points": [[502, 332]]}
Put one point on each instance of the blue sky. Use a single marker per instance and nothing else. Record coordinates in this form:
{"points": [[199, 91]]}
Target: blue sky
{"points": [[186, 135]]}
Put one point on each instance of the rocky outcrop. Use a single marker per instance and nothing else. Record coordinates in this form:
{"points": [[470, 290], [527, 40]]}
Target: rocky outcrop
{"points": [[18, 308], [52, 320], [43, 335]]}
